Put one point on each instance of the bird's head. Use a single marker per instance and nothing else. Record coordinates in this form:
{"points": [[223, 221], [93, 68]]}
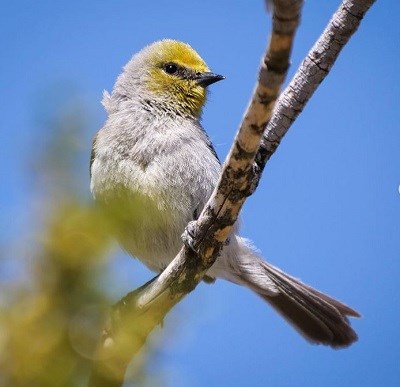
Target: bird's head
{"points": [[170, 73]]}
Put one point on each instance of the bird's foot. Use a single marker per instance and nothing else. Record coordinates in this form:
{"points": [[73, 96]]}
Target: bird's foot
{"points": [[188, 236]]}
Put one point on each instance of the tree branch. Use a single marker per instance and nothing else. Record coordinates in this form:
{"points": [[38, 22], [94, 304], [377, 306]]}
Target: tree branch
{"points": [[313, 70], [139, 312]]}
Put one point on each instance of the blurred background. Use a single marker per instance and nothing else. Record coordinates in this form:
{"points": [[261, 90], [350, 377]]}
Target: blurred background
{"points": [[327, 209]]}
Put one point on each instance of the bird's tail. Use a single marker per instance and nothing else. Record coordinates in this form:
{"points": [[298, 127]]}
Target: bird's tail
{"points": [[318, 317]]}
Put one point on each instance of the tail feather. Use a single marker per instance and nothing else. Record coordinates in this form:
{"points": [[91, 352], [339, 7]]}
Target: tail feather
{"points": [[318, 317]]}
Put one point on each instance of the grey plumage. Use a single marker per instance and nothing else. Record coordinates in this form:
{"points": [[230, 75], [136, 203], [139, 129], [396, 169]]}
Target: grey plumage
{"points": [[153, 168]]}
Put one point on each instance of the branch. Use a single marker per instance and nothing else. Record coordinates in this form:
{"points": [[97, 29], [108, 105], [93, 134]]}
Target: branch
{"points": [[313, 70], [139, 312]]}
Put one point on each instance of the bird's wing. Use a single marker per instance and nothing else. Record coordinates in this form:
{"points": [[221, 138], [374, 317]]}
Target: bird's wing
{"points": [[92, 154], [211, 147]]}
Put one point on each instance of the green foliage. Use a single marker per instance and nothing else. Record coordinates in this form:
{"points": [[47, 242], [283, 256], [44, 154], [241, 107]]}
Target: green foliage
{"points": [[51, 315]]}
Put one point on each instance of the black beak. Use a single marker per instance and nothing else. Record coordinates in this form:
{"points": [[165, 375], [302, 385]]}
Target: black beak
{"points": [[207, 79]]}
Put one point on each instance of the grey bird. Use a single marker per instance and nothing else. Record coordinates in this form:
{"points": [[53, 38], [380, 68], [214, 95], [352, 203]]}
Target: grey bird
{"points": [[153, 168]]}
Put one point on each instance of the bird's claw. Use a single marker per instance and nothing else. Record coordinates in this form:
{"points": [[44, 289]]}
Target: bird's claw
{"points": [[188, 236]]}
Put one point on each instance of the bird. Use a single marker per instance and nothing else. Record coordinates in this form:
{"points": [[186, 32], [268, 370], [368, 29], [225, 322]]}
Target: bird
{"points": [[153, 168]]}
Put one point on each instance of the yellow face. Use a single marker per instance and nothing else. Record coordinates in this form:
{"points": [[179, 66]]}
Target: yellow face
{"points": [[173, 72]]}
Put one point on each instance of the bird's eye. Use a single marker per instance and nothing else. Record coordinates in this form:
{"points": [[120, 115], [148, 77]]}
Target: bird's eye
{"points": [[171, 68]]}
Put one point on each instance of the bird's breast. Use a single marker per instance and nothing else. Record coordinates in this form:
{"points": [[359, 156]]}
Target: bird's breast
{"points": [[148, 212]]}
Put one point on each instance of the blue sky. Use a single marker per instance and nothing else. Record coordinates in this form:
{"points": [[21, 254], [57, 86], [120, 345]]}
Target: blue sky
{"points": [[327, 209]]}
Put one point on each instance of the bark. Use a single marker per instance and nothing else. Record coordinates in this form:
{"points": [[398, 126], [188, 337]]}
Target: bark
{"points": [[313, 70]]}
